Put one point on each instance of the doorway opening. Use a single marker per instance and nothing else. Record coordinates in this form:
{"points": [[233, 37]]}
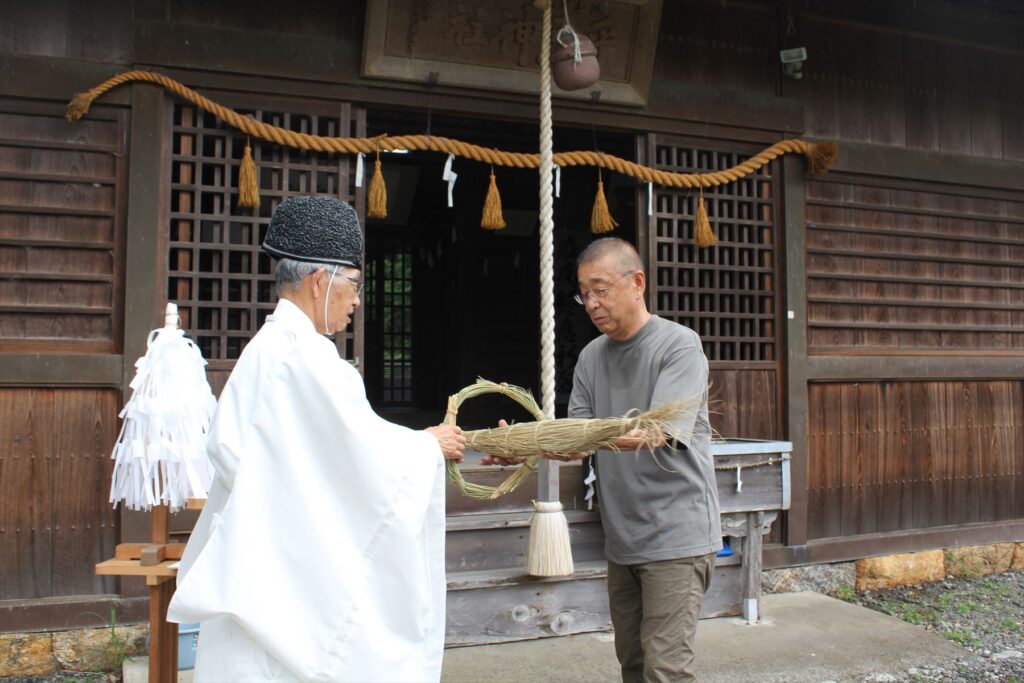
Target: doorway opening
{"points": [[447, 301]]}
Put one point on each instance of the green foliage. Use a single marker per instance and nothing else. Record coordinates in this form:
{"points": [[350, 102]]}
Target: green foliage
{"points": [[967, 606], [116, 649], [962, 636], [891, 608], [845, 592], [1010, 625], [912, 616]]}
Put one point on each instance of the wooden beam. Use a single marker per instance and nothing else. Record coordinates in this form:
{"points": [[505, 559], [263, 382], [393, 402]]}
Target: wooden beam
{"points": [[919, 367], [990, 28], [685, 113], [61, 614], [794, 407], [926, 165], [143, 256], [50, 369], [54, 78], [912, 540]]}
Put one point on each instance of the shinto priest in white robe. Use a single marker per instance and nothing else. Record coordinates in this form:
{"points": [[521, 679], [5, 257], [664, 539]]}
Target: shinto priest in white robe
{"points": [[319, 555]]}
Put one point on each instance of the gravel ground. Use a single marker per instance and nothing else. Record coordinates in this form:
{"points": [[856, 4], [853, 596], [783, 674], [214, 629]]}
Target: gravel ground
{"points": [[984, 615]]}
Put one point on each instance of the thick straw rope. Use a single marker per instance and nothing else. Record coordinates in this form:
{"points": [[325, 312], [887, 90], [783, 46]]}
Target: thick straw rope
{"points": [[819, 154]]}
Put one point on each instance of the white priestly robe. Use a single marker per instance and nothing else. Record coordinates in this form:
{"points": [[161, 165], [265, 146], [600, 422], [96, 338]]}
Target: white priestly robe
{"points": [[319, 555]]}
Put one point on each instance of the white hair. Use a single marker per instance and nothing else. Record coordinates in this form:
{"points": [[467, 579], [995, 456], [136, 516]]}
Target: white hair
{"points": [[290, 273]]}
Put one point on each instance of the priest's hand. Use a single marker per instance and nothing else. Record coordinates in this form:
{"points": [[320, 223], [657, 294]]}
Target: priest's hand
{"points": [[500, 459], [451, 440]]}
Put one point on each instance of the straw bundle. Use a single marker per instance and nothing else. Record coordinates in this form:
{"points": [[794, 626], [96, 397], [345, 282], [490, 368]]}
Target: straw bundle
{"points": [[567, 435]]}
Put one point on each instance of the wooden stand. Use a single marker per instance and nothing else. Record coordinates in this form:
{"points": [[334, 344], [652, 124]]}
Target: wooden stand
{"points": [[153, 561]]}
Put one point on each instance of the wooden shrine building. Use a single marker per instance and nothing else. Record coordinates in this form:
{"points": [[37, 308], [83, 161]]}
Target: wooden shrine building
{"points": [[874, 316]]}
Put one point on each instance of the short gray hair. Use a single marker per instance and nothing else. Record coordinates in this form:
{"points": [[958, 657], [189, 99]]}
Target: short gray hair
{"points": [[290, 273], [626, 255]]}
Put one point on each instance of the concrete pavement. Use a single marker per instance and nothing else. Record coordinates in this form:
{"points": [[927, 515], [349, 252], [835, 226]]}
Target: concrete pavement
{"points": [[803, 637]]}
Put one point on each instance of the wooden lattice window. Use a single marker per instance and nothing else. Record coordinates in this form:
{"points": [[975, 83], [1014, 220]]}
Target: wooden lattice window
{"points": [[726, 293], [390, 300], [222, 281]]}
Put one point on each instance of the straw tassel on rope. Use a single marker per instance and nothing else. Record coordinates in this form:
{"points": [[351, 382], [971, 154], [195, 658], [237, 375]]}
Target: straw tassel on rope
{"points": [[377, 201], [248, 181], [703, 235], [492, 218], [601, 220], [821, 156]]}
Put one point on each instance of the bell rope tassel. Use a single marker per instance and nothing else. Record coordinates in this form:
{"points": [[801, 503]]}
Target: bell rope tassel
{"points": [[549, 552], [821, 156], [601, 220], [248, 182], [492, 218], [378, 199], [703, 236]]}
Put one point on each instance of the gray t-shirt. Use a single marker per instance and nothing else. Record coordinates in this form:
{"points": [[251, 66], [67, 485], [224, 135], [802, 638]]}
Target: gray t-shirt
{"points": [[648, 513]]}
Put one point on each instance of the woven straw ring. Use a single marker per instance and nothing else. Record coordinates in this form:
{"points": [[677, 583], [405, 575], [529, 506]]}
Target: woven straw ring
{"points": [[520, 396]]}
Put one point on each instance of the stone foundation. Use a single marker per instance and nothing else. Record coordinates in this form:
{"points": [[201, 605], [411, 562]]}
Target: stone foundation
{"points": [[980, 560], [906, 569], [820, 578], [80, 650]]}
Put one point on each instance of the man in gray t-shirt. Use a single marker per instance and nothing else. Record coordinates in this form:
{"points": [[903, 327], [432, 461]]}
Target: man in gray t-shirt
{"points": [[658, 500], [659, 509]]}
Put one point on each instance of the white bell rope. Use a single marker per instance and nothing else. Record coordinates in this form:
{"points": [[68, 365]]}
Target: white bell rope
{"points": [[549, 552], [160, 454]]}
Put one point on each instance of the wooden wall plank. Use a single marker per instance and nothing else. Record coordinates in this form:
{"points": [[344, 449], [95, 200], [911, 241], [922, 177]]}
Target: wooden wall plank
{"points": [[26, 466], [57, 453], [61, 205], [84, 522], [891, 456], [892, 267]]}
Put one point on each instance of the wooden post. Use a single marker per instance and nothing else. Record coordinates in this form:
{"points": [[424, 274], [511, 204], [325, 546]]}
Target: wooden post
{"points": [[795, 405], [163, 635], [752, 546]]}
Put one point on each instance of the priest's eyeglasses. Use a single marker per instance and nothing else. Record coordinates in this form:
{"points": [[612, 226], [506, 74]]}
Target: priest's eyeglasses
{"points": [[357, 283], [598, 293]]}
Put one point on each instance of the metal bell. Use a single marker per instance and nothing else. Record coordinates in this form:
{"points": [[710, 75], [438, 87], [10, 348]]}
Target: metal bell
{"points": [[567, 74]]}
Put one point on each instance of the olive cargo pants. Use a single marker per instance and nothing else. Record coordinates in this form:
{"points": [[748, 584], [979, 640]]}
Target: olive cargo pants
{"points": [[654, 608]]}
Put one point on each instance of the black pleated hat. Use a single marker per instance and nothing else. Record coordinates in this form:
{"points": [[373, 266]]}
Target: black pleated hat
{"points": [[315, 229]]}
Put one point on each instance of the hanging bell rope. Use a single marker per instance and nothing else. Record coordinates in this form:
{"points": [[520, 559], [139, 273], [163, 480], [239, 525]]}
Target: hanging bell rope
{"points": [[820, 155]]}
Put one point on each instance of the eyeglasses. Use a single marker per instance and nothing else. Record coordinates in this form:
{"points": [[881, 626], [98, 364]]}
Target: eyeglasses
{"points": [[598, 293], [357, 283]]}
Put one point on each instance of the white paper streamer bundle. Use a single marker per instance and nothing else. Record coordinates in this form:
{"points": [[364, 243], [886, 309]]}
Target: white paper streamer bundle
{"points": [[160, 454]]}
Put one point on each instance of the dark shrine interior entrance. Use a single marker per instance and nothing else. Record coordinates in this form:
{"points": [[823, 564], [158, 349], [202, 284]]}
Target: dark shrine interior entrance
{"points": [[447, 301]]}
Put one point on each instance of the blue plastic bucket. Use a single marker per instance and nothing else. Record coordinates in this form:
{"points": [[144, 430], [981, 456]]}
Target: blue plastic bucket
{"points": [[188, 641]]}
